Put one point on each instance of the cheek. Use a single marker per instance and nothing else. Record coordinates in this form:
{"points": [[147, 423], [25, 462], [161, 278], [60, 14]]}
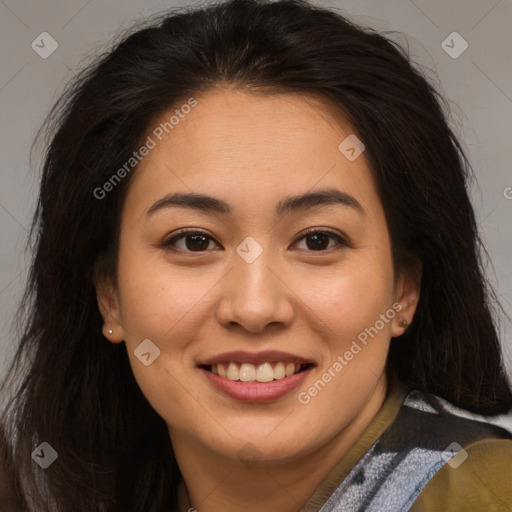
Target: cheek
{"points": [[350, 305], [157, 303], [349, 298], [158, 300]]}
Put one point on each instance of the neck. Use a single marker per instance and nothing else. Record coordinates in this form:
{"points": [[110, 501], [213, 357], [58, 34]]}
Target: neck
{"points": [[212, 483]]}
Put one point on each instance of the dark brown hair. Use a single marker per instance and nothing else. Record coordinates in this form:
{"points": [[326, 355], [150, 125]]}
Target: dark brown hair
{"points": [[75, 390]]}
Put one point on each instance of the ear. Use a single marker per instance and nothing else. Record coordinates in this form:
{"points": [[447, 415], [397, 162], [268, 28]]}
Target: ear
{"points": [[407, 294], [108, 304]]}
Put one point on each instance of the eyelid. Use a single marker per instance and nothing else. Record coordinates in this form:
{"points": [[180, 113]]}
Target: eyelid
{"points": [[183, 232]]}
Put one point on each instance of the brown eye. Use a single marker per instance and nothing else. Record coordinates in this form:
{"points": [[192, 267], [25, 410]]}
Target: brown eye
{"points": [[318, 240], [194, 241]]}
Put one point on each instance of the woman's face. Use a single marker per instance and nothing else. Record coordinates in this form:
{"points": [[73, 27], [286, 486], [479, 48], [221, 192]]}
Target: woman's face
{"points": [[253, 292]]}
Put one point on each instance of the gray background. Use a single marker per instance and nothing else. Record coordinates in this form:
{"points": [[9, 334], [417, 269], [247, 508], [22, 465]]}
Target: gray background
{"points": [[478, 85]]}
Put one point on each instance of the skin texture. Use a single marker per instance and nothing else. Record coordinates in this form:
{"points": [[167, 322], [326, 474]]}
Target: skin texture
{"points": [[252, 150]]}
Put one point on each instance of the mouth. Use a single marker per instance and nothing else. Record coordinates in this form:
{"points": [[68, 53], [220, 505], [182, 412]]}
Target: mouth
{"points": [[259, 377]]}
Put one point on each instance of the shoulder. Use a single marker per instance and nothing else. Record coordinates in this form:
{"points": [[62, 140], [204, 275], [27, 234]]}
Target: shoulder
{"points": [[478, 477], [426, 459], [476, 468], [450, 459]]}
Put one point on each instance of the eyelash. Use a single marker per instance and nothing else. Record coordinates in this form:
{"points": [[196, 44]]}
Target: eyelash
{"points": [[182, 233]]}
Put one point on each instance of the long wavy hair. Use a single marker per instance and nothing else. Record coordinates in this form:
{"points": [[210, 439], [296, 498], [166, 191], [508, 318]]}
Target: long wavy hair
{"points": [[70, 387]]}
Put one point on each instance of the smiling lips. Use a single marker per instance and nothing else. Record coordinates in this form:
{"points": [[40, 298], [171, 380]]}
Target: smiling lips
{"points": [[262, 377]]}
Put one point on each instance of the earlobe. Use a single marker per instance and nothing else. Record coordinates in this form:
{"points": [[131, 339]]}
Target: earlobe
{"points": [[108, 305], [407, 295]]}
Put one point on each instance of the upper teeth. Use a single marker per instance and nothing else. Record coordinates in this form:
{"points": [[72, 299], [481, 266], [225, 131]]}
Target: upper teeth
{"points": [[248, 372]]}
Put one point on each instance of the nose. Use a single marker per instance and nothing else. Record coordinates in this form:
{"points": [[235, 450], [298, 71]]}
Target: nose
{"points": [[254, 296]]}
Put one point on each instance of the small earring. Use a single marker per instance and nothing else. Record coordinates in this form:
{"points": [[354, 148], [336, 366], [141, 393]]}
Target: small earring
{"points": [[404, 324], [110, 331]]}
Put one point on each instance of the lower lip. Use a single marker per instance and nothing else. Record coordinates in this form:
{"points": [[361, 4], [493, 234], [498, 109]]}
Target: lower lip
{"points": [[257, 391]]}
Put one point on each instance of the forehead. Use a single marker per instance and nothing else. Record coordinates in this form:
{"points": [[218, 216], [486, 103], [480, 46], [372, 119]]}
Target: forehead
{"points": [[255, 127], [251, 145]]}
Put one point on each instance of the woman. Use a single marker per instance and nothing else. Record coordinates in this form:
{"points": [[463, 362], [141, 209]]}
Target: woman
{"points": [[256, 283]]}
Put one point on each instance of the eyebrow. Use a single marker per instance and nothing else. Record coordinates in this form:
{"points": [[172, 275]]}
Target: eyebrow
{"points": [[291, 204]]}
